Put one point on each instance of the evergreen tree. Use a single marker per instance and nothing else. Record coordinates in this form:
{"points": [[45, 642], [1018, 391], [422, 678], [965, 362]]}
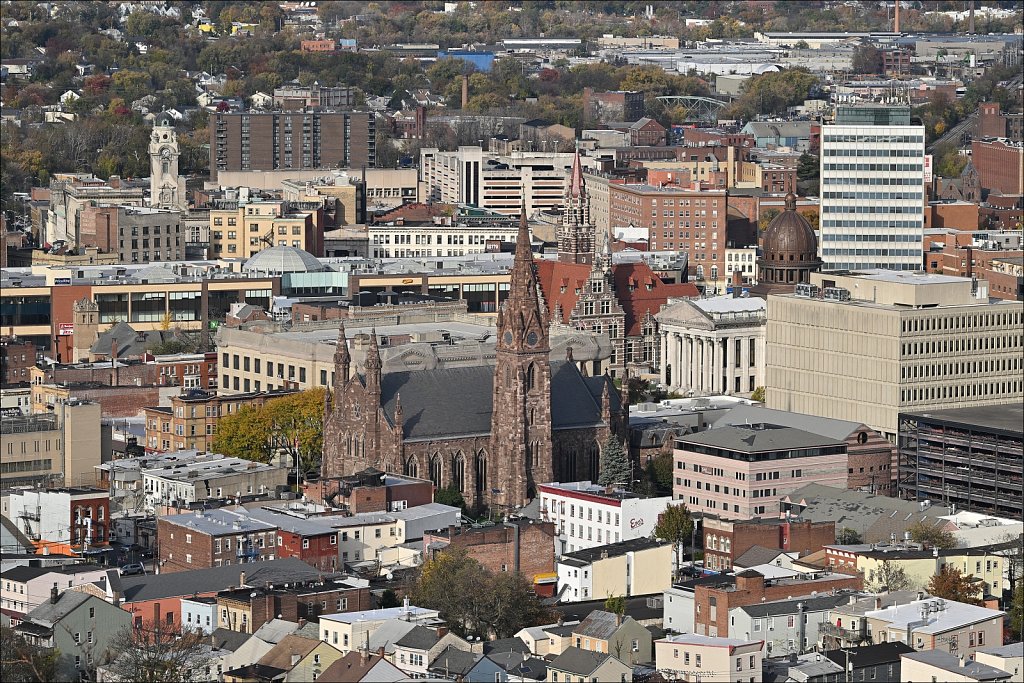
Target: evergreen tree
{"points": [[614, 464]]}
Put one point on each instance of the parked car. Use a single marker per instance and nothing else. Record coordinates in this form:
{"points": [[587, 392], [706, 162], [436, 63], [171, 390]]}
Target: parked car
{"points": [[133, 569]]}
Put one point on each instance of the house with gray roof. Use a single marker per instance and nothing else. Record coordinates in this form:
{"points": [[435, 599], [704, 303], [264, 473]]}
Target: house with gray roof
{"points": [[507, 667], [79, 626], [1006, 657], [936, 665], [577, 664], [607, 632], [786, 626]]}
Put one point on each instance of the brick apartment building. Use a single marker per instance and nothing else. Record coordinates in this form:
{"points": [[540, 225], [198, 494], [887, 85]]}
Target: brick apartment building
{"points": [[212, 538], [690, 220], [17, 357], [318, 45], [615, 105], [191, 419], [136, 234], [645, 132], [246, 609], [955, 253], [1000, 165], [994, 123], [249, 141], [371, 490], [712, 601], [725, 540], [186, 370], [520, 545]]}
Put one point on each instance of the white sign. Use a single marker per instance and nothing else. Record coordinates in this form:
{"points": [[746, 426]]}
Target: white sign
{"points": [[927, 168]]}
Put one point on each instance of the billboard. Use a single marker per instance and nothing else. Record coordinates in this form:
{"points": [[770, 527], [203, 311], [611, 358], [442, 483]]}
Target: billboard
{"points": [[65, 329]]}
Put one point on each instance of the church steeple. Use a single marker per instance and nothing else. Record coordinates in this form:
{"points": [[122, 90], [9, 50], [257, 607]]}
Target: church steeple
{"points": [[576, 232], [521, 418], [342, 361]]}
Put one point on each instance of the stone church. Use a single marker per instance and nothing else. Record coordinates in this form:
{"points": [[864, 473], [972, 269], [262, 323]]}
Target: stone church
{"points": [[492, 432]]}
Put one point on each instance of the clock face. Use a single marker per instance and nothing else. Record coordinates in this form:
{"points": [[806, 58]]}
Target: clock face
{"points": [[508, 337], [165, 153], [531, 339]]}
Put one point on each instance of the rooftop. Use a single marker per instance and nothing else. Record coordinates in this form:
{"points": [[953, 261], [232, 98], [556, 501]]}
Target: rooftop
{"points": [[758, 438], [581, 558], [708, 641], [383, 614], [942, 615], [1005, 419], [966, 669], [220, 522], [178, 584]]}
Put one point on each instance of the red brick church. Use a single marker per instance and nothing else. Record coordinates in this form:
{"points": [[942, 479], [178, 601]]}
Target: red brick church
{"points": [[492, 432]]}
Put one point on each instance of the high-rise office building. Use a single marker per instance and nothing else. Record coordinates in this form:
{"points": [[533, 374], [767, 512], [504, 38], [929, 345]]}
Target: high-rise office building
{"points": [[267, 141], [872, 189]]}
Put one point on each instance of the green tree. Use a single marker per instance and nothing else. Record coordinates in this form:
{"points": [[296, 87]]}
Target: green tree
{"points": [[758, 395], [931, 536], [1016, 615], [674, 526], [867, 59], [847, 536], [25, 663], [389, 598], [614, 464], [659, 471], [950, 583], [449, 495], [616, 604], [245, 434], [807, 167], [889, 576], [766, 218]]}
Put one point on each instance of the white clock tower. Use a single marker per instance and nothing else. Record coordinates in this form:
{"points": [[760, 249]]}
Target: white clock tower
{"points": [[166, 187]]}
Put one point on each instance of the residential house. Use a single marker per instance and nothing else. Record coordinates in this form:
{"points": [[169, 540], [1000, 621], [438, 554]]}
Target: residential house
{"points": [[507, 667], [416, 651], [881, 662], [925, 624], [77, 626], [213, 538], [612, 634], [1006, 657], [279, 662], [786, 626], [348, 631], [725, 540], [24, 587], [247, 609], [199, 614], [550, 639], [254, 646], [921, 564], [935, 665], [582, 665], [359, 666], [453, 663], [636, 567], [692, 657]]}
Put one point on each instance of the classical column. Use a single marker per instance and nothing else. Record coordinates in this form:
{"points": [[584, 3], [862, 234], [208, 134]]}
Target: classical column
{"points": [[663, 344], [686, 361], [744, 364], [730, 369], [709, 365]]}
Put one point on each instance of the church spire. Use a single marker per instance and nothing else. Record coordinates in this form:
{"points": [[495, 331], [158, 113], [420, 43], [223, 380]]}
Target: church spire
{"points": [[342, 359], [576, 232], [373, 363], [576, 184]]}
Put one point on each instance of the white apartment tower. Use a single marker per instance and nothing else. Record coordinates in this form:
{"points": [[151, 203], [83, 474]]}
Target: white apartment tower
{"points": [[872, 189]]}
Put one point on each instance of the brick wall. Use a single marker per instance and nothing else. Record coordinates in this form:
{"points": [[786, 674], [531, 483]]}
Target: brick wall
{"points": [[495, 547], [17, 356], [121, 401], [751, 590], [804, 537]]}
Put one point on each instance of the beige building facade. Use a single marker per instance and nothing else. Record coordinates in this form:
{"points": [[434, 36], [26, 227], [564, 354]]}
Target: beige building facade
{"points": [[708, 659], [243, 229], [58, 447], [868, 345]]}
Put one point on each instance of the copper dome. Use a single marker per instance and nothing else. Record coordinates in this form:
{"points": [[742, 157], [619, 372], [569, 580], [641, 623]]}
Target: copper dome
{"points": [[789, 237]]}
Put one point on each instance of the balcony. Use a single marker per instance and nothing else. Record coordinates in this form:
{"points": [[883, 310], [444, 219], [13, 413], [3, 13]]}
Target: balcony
{"points": [[842, 635]]}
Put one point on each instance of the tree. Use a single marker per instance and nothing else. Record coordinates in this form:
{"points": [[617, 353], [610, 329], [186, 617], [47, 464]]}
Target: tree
{"points": [[889, 577], [659, 471], [848, 536], [151, 654], [766, 218], [675, 526], [616, 604], [389, 598], [292, 424], [1016, 615], [501, 604], [867, 59], [758, 395], [807, 167], [950, 583], [450, 495], [614, 464], [25, 663], [931, 536]]}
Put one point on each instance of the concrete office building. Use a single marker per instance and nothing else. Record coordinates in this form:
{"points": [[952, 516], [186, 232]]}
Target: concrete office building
{"points": [[136, 234], [502, 183], [61, 447], [872, 189], [866, 346]]}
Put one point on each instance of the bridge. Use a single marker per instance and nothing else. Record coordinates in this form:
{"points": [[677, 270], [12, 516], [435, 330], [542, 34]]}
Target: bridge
{"points": [[696, 109]]}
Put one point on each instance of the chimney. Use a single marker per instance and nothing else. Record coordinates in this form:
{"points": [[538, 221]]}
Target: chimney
{"points": [[302, 622], [561, 619], [465, 91], [920, 595], [878, 602], [737, 284], [241, 579], [54, 596], [970, 26], [896, 24], [363, 655], [618, 619], [963, 660]]}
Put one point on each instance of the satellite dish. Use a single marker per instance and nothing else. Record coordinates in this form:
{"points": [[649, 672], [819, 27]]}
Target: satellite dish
{"points": [[390, 576]]}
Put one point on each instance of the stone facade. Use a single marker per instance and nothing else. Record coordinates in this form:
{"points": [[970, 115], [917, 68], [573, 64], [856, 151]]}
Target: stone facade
{"points": [[494, 459]]}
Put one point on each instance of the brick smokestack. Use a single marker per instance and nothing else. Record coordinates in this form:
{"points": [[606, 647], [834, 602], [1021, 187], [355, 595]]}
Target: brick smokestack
{"points": [[896, 23], [465, 91]]}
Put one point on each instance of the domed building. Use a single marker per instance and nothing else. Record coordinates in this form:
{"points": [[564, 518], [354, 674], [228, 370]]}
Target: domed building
{"points": [[282, 260], [789, 252]]}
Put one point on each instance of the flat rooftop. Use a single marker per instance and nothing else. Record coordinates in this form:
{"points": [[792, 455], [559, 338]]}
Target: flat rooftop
{"points": [[1006, 419]]}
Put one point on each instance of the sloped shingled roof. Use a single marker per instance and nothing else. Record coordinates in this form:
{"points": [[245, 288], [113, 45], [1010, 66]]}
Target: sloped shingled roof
{"points": [[431, 408]]}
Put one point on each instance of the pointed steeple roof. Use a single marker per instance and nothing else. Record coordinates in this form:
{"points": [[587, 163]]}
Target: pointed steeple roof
{"points": [[373, 354], [577, 187], [341, 354]]}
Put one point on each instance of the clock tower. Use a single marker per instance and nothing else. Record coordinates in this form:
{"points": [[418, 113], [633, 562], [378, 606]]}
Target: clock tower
{"points": [[521, 454], [166, 187]]}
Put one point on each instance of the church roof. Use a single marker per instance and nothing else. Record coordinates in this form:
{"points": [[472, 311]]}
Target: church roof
{"points": [[638, 289], [432, 408]]}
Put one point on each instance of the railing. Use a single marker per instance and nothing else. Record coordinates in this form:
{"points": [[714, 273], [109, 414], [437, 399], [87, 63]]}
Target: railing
{"points": [[843, 634]]}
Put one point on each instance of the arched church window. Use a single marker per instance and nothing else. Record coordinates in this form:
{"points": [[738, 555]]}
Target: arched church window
{"points": [[435, 470], [481, 472], [412, 468], [531, 376], [459, 471]]}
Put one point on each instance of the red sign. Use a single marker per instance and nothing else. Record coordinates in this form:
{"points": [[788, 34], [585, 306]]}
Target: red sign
{"points": [[65, 329]]}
